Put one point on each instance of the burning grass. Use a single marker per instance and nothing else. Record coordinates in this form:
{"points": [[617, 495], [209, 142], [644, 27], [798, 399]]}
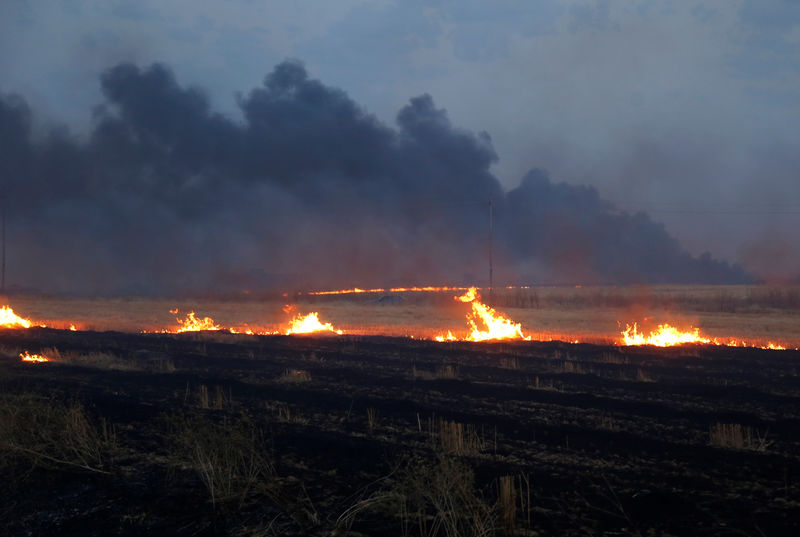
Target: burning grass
{"points": [[669, 336], [9, 319], [309, 324], [493, 325], [586, 314], [35, 358]]}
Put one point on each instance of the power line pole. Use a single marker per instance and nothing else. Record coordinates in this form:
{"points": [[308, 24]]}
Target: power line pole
{"points": [[491, 237], [3, 272]]}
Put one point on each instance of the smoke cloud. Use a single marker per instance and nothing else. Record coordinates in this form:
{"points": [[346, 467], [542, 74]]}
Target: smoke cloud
{"points": [[166, 196]]}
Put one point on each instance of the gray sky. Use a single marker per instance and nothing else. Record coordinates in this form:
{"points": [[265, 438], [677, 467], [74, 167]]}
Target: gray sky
{"points": [[687, 110]]}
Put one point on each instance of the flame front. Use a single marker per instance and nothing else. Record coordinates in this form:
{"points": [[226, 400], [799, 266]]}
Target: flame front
{"points": [[664, 336], [193, 324], [27, 357], [497, 326], [9, 319], [667, 336], [413, 289], [308, 324], [448, 337]]}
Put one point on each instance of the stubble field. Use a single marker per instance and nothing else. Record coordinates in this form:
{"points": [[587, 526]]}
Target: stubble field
{"points": [[219, 434]]}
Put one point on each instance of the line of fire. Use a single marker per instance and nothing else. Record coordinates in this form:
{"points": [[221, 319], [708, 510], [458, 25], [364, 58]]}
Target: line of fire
{"points": [[482, 323]]}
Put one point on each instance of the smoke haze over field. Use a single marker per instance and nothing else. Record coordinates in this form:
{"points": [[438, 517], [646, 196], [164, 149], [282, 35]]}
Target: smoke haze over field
{"points": [[308, 190], [687, 111]]}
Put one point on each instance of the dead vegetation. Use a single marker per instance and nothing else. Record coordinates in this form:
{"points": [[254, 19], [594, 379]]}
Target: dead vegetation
{"points": [[230, 457], [455, 438], [513, 439], [737, 436], [39, 432]]}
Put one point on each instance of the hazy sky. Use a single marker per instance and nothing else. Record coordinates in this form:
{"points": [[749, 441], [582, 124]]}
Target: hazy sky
{"points": [[687, 110]]}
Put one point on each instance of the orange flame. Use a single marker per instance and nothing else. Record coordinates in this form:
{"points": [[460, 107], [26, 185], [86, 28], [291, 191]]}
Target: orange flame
{"points": [[27, 357], [497, 326], [9, 319], [668, 336], [413, 289], [193, 324], [448, 337], [308, 324], [664, 336]]}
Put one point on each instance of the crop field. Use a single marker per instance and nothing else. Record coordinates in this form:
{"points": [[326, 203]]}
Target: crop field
{"points": [[214, 433], [595, 314]]}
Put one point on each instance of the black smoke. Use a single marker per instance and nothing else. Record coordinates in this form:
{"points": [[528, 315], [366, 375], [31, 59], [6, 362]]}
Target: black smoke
{"points": [[307, 190]]}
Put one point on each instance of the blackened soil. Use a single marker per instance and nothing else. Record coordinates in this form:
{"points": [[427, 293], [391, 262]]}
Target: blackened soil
{"points": [[612, 441]]}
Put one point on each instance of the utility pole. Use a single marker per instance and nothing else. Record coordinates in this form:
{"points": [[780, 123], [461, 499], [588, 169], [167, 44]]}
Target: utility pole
{"points": [[491, 237], [3, 272]]}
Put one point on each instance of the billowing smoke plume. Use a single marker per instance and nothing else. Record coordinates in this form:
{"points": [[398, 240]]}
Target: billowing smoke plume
{"points": [[308, 190]]}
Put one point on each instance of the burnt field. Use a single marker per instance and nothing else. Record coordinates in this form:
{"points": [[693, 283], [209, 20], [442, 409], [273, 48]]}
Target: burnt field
{"points": [[216, 434]]}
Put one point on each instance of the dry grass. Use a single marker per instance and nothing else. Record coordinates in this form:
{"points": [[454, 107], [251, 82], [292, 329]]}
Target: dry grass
{"points": [[372, 419], [48, 433], [439, 498], [566, 313], [455, 438], [284, 412], [514, 502], [295, 375], [218, 401], [446, 372], [507, 503], [573, 368], [154, 363], [511, 363], [228, 457], [737, 436], [539, 384]]}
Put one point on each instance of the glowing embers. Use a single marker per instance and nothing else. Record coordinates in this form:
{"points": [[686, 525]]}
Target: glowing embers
{"points": [[309, 324], [494, 325], [9, 319], [36, 358], [664, 336]]}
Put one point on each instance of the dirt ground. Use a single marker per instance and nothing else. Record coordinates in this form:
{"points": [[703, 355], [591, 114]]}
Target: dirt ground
{"points": [[220, 434]]}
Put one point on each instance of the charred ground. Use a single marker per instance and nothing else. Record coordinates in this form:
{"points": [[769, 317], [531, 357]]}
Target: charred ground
{"points": [[210, 433]]}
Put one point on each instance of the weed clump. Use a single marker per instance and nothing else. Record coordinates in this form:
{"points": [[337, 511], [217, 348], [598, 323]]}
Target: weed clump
{"points": [[228, 457], [736, 436], [46, 433]]}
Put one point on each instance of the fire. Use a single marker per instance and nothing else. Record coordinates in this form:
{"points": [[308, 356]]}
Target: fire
{"points": [[497, 326], [448, 337], [664, 336], [667, 336], [27, 357], [9, 319], [470, 296], [193, 324], [308, 324], [413, 289], [352, 291]]}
